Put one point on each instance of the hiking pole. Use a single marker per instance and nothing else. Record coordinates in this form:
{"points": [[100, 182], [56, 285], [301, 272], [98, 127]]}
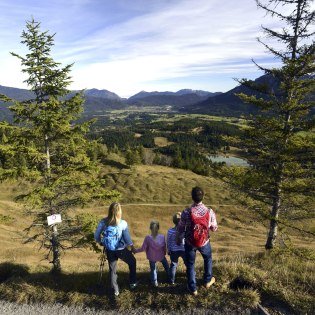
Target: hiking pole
{"points": [[102, 263]]}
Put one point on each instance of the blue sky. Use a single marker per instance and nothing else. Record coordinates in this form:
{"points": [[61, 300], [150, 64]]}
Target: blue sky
{"points": [[126, 46]]}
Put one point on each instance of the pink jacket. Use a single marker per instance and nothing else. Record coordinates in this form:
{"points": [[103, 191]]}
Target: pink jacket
{"points": [[155, 248]]}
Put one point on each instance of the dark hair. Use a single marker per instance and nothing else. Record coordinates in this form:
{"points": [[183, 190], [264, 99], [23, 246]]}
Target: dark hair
{"points": [[197, 194]]}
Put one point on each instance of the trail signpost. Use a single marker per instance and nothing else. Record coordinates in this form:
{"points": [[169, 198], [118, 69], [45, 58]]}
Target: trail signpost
{"points": [[53, 219]]}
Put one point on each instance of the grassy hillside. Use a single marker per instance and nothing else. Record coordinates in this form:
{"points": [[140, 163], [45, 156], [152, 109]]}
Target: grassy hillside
{"points": [[245, 274], [160, 184]]}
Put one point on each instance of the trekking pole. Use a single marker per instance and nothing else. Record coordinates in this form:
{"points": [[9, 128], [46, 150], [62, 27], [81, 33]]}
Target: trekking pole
{"points": [[102, 263]]}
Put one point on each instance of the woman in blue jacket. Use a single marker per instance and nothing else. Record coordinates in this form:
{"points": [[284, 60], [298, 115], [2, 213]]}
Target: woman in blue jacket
{"points": [[112, 232]]}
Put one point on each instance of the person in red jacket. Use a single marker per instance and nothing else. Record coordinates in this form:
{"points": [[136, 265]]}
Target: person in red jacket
{"points": [[195, 224]]}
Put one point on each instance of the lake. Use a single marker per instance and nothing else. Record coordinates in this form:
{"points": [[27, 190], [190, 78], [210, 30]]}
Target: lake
{"points": [[229, 160]]}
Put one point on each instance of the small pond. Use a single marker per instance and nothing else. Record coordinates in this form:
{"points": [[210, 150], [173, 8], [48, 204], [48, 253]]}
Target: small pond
{"points": [[229, 160]]}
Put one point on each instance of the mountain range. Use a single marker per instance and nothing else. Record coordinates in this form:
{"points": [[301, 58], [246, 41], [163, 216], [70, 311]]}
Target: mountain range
{"points": [[177, 99], [98, 101], [228, 102], [185, 100]]}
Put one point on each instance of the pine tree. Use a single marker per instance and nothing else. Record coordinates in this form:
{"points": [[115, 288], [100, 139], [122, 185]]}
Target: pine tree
{"points": [[132, 157], [280, 180], [53, 146]]}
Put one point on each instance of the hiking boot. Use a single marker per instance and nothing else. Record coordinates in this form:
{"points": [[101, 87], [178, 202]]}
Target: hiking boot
{"points": [[116, 293], [171, 281], [194, 293], [210, 283], [133, 285], [155, 284]]}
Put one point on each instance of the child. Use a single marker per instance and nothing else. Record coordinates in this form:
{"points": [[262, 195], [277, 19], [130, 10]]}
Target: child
{"points": [[155, 247], [175, 251]]}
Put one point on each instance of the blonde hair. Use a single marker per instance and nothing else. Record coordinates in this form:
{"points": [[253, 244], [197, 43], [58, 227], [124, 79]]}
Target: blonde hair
{"points": [[176, 217], [154, 224], [114, 214]]}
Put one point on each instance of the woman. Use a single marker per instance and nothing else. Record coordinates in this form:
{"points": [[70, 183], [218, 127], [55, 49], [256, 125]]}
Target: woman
{"points": [[112, 232]]}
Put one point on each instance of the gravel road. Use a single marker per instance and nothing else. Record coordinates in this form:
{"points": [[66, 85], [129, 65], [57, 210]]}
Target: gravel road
{"points": [[8, 308]]}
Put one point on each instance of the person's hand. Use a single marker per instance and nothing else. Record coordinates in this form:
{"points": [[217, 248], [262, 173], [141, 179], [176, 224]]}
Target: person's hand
{"points": [[133, 249]]}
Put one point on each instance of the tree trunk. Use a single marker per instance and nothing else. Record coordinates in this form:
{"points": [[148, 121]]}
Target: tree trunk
{"points": [[294, 42], [54, 236], [55, 249], [273, 228]]}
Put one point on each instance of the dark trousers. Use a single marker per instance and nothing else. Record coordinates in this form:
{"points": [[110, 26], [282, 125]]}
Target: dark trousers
{"points": [[126, 256], [190, 253]]}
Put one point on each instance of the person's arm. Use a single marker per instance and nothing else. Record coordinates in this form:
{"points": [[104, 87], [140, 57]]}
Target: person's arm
{"points": [[168, 242], [180, 230], [213, 225], [126, 236], [143, 247], [164, 245], [99, 230]]}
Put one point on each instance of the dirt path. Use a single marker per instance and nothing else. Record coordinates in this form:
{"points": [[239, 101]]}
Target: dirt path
{"points": [[172, 204]]}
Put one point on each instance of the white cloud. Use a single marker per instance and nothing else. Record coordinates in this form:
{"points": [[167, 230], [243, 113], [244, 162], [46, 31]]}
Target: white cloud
{"points": [[126, 46], [169, 44]]}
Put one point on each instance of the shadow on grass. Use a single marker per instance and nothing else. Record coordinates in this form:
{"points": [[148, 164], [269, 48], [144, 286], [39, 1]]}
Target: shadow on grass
{"points": [[8, 270], [83, 282], [115, 164], [84, 288]]}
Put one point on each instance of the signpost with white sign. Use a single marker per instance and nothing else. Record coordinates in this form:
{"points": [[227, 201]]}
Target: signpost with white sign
{"points": [[53, 219]]}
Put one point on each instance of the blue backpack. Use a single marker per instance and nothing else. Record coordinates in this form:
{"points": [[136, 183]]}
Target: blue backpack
{"points": [[111, 237]]}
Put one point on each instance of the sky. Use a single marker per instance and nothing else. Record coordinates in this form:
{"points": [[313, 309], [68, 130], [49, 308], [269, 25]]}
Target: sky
{"points": [[126, 46]]}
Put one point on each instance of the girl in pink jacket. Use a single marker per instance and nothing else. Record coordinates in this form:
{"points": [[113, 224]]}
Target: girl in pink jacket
{"points": [[155, 247]]}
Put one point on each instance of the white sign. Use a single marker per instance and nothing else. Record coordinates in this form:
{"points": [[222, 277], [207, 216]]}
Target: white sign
{"points": [[53, 219]]}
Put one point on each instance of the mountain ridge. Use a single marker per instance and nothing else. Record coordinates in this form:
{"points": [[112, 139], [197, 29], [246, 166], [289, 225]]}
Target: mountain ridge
{"points": [[184, 100]]}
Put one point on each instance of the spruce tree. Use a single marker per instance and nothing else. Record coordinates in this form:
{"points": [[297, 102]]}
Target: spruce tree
{"points": [[132, 157], [279, 140], [53, 146]]}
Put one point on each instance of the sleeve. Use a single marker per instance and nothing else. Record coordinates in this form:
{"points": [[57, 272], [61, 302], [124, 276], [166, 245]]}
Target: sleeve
{"points": [[164, 245], [143, 247], [168, 241], [99, 230], [213, 225], [126, 236], [182, 223]]}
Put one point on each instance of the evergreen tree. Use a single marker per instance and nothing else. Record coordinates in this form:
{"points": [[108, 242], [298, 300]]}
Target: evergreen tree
{"points": [[53, 146], [280, 180], [141, 153], [132, 157], [178, 159]]}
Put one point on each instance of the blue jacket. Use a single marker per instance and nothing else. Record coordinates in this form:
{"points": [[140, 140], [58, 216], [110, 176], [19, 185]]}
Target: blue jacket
{"points": [[125, 236]]}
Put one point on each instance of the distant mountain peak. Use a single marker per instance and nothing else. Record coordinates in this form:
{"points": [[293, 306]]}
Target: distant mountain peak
{"points": [[144, 94], [102, 94], [197, 92]]}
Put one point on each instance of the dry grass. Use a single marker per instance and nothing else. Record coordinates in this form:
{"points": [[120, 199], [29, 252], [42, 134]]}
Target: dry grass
{"points": [[162, 142], [156, 192], [279, 281], [161, 184]]}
